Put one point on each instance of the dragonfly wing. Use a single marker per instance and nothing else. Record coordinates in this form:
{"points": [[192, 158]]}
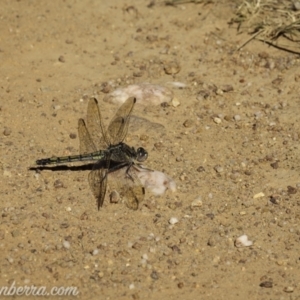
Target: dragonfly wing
{"points": [[98, 182], [118, 126], [85, 141], [95, 125], [129, 185]]}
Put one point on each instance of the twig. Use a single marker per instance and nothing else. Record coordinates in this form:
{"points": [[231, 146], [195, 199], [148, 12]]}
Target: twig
{"points": [[251, 38]]}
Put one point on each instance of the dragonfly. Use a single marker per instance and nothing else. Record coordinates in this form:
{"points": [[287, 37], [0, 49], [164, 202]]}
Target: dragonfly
{"points": [[111, 154]]}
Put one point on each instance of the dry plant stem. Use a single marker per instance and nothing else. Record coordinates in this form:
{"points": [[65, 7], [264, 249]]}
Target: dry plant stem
{"points": [[251, 38], [279, 47]]}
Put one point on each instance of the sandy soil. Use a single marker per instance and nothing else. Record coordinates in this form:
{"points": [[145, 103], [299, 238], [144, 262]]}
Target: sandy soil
{"points": [[233, 143]]}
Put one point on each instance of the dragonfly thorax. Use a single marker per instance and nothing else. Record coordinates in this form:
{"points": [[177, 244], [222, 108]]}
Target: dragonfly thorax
{"points": [[122, 152]]}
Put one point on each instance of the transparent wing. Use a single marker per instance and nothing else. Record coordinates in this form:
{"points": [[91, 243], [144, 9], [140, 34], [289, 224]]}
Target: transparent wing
{"points": [[118, 126], [86, 144], [98, 181], [128, 185], [95, 125]]}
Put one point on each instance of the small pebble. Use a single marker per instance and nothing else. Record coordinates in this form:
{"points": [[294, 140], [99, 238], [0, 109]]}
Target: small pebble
{"points": [[62, 59], [175, 102], [200, 169], [100, 274], [154, 275], [213, 240], [237, 118], [296, 4], [95, 251], [217, 120], [288, 289], [173, 221], [218, 169], [177, 84], [266, 284], [114, 197], [219, 92], [226, 88], [131, 286], [15, 233], [197, 202], [7, 173], [58, 184], [66, 244], [145, 256], [7, 131], [274, 165], [259, 195], [172, 68], [188, 123], [291, 190], [180, 285], [10, 260]]}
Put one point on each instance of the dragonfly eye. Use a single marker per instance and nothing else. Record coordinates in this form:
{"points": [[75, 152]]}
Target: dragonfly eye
{"points": [[142, 154]]}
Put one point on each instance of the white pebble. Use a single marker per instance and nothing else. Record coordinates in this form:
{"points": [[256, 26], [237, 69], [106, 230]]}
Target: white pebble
{"points": [[95, 251], [237, 117], [10, 260], [242, 241], [131, 286], [152, 249], [6, 173], [173, 221], [175, 102], [197, 202], [145, 256], [259, 195], [177, 84], [217, 120], [66, 244]]}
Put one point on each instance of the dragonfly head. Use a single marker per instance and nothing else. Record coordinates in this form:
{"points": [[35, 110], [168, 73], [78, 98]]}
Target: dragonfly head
{"points": [[141, 154]]}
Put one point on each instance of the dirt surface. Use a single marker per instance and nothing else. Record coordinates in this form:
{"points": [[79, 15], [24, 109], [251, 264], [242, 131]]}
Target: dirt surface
{"points": [[232, 145]]}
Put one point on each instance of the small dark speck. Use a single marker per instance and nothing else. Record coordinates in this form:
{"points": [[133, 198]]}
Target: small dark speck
{"points": [[73, 136]]}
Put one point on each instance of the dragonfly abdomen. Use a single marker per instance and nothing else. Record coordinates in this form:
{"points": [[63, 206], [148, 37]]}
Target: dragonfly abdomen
{"points": [[66, 159]]}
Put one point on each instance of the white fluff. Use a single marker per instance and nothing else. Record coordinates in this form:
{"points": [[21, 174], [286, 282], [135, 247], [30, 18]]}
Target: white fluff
{"points": [[155, 181], [145, 93]]}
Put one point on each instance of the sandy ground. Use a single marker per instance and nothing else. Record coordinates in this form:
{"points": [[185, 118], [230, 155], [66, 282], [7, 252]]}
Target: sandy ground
{"points": [[233, 143]]}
